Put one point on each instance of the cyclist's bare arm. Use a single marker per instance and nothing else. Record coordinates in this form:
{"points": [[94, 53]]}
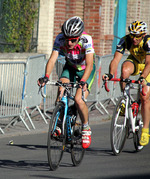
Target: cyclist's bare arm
{"points": [[114, 64], [89, 67], [49, 68], [51, 62]]}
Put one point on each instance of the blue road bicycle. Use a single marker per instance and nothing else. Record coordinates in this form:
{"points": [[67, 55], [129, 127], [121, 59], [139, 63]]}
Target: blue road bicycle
{"points": [[65, 129]]}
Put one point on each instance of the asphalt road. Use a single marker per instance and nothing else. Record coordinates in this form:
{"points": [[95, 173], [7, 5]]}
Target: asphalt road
{"points": [[27, 159]]}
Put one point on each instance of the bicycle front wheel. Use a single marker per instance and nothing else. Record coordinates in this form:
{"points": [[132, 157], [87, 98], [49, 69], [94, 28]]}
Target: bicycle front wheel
{"points": [[55, 141], [77, 152], [138, 131], [119, 128]]}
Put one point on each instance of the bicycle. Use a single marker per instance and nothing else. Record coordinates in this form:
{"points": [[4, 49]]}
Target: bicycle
{"points": [[127, 121], [65, 129]]}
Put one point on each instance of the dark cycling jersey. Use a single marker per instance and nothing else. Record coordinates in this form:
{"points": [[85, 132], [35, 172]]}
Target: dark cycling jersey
{"points": [[139, 52], [76, 56]]}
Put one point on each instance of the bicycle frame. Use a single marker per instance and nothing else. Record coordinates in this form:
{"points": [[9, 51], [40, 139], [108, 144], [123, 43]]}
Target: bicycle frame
{"points": [[128, 108], [126, 94], [65, 99]]}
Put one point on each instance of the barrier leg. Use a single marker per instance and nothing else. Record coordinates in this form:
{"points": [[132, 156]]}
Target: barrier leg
{"points": [[13, 122], [113, 101], [41, 114], [24, 123], [95, 104], [47, 115], [103, 107], [33, 126], [1, 130]]}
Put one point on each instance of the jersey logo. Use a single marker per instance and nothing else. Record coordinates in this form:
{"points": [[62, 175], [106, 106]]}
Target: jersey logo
{"points": [[84, 39], [88, 46]]}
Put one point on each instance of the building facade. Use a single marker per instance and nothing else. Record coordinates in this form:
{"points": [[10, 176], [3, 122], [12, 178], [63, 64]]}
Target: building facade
{"points": [[98, 17]]}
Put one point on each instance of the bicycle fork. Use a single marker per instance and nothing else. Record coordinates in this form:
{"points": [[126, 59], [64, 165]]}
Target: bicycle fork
{"points": [[66, 119], [65, 101]]}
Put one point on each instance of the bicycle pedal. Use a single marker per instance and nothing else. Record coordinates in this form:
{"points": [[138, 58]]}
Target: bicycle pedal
{"points": [[77, 133], [68, 141], [77, 141], [129, 136]]}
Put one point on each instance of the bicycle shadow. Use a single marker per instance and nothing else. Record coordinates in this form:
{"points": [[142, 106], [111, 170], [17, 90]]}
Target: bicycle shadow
{"points": [[29, 147], [98, 151], [31, 165]]}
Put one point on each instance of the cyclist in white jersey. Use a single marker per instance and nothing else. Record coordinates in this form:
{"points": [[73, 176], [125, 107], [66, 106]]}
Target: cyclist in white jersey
{"points": [[77, 47]]}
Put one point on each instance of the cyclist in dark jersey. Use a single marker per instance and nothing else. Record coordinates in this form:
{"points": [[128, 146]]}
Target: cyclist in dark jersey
{"points": [[137, 42], [77, 47]]}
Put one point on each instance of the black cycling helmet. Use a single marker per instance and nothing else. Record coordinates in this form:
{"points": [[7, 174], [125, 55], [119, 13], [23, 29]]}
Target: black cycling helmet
{"points": [[73, 27]]}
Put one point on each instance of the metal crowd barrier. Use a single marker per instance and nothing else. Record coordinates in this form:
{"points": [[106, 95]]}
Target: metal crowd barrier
{"points": [[98, 96], [115, 89], [51, 91], [35, 68], [19, 90], [95, 90], [11, 85]]}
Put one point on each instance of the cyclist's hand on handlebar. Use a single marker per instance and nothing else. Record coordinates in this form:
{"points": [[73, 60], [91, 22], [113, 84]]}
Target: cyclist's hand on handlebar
{"points": [[42, 81], [83, 85], [142, 81], [107, 76]]}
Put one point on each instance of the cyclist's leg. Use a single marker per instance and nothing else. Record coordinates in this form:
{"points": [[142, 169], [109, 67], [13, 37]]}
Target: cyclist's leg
{"points": [[83, 113], [83, 109], [145, 100], [81, 105], [61, 89], [66, 77], [128, 68], [145, 109]]}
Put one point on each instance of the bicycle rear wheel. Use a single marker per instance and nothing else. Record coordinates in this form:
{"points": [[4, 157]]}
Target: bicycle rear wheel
{"points": [[138, 131], [119, 128], [77, 152], [55, 141]]}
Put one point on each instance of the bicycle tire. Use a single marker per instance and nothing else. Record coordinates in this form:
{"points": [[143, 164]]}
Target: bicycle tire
{"points": [[118, 130], [77, 152], [137, 134], [55, 144]]}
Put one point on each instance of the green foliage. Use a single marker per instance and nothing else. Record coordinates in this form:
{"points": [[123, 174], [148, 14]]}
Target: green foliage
{"points": [[18, 23]]}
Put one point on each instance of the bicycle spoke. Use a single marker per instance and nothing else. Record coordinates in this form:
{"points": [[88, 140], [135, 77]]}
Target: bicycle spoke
{"points": [[118, 131], [55, 141], [137, 134], [77, 152], [118, 136]]}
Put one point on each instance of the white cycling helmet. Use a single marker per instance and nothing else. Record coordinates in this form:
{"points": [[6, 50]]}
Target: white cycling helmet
{"points": [[73, 27], [137, 27]]}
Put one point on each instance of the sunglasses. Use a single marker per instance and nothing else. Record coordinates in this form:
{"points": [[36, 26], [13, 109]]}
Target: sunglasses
{"points": [[134, 36], [72, 39]]}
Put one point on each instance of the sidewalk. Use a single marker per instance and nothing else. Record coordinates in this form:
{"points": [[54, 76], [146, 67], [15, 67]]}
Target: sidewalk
{"points": [[95, 117]]}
